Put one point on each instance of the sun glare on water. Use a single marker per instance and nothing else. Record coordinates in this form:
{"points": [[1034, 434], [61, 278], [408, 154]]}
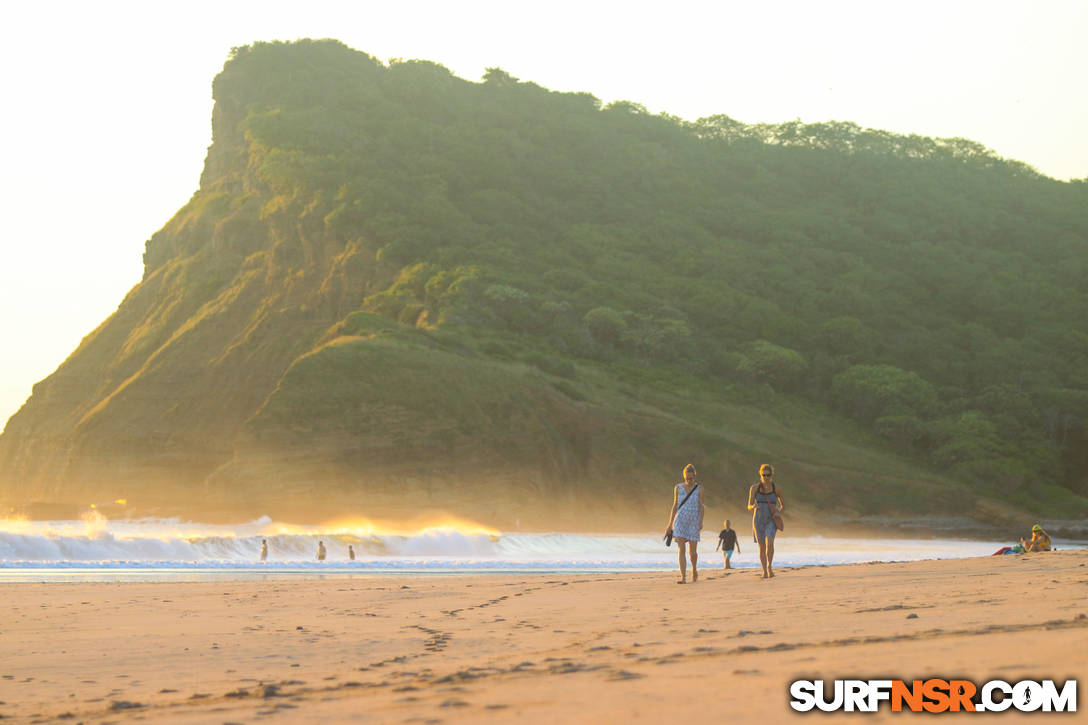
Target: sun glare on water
{"points": [[361, 526], [94, 524]]}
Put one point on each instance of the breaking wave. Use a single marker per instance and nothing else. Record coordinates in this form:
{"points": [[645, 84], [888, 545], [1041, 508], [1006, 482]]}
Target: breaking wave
{"points": [[97, 543]]}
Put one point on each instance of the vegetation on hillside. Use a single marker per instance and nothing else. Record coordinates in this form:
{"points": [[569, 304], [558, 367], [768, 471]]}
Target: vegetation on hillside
{"points": [[925, 288], [389, 266]]}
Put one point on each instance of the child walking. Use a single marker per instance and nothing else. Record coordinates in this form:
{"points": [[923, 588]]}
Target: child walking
{"points": [[727, 540]]}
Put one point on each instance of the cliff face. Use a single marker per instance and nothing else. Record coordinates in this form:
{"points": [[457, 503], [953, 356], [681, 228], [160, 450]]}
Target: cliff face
{"points": [[222, 386], [151, 402], [398, 291]]}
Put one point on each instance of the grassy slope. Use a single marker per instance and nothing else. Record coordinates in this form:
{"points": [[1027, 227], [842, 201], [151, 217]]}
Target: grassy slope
{"points": [[393, 406], [242, 367]]}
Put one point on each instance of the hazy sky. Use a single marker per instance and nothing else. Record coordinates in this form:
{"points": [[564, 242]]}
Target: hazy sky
{"points": [[107, 105]]}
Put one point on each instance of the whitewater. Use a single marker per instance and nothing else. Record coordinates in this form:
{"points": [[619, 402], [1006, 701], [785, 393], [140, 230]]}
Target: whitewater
{"points": [[96, 549]]}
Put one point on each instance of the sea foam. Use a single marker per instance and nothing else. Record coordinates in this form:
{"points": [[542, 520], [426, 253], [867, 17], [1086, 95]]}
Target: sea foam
{"points": [[170, 544]]}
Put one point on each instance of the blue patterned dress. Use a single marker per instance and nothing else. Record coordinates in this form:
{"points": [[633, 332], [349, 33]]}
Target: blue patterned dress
{"points": [[686, 523], [763, 517]]}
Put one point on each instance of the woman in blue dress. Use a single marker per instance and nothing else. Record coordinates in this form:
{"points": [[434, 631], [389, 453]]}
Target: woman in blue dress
{"points": [[764, 500], [686, 521]]}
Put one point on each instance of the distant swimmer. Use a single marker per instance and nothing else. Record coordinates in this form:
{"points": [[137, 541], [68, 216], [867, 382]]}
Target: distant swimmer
{"points": [[1040, 540], [264, 549], [727, 540], [321, 551], [351, 553]]}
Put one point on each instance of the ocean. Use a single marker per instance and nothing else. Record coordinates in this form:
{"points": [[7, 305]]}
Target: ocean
{"points": [[96, 549]]}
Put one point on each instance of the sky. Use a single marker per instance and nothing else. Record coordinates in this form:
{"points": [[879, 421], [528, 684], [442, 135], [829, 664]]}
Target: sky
{"points": [[107, 105]]}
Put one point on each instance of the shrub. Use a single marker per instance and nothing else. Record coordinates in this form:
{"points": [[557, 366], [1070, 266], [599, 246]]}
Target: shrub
{"points": [[868, 391], [779, 367], [605, 324]]}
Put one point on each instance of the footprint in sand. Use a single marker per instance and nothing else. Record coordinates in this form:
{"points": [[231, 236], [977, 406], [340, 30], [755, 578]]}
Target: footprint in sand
{"points": [[125, 705], [620, 675]]}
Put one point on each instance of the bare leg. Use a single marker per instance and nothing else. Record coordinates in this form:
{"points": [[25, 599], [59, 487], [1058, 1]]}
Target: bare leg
{"points": [[693, 550], [763, 556], [770, 557], [725, 565], [681, 545]]}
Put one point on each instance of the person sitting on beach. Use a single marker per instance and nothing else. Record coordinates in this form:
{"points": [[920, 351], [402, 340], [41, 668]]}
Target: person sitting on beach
{"points": [[351, 553], [727, 540], [764, 500], [1040, 540], [264, 549], [686, 521], [321, 551]]}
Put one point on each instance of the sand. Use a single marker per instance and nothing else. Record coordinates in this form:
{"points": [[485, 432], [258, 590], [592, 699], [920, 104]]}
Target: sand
{"points": [[632, 647]]}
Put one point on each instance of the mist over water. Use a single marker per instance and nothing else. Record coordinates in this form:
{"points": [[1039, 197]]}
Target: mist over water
{"points": [[98, 549]]}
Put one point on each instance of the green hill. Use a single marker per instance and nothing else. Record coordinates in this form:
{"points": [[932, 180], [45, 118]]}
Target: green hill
{"points": [[397, 290]]}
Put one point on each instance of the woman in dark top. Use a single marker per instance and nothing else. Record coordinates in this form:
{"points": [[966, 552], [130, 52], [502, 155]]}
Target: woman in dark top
{"points": [[764, 500]]}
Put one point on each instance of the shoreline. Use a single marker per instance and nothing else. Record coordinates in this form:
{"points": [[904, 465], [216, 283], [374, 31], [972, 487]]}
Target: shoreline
{"points": [[134, 557], [561, 646], [801, 521]]}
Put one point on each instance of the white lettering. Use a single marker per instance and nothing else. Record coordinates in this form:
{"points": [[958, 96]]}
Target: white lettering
{"points": [[836, 701], [994, 696], [1027, 696], [878, 690], [803, 693], [988, 702], [855, 695], [1066, 701]]}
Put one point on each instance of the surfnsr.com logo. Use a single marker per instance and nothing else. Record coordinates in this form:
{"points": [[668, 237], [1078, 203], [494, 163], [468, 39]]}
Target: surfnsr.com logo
{"points": [[934, 695]]}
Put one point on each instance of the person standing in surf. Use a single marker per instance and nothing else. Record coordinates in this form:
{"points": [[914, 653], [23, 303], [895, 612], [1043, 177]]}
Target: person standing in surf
{"points": [[764, 501], [686, 521]]}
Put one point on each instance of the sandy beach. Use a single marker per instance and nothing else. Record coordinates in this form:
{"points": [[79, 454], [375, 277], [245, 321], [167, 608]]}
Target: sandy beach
{"points": [[632, 647]]}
